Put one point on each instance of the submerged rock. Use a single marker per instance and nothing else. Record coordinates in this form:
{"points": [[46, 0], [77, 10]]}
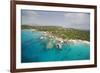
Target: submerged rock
{"points": [[49, 45]]}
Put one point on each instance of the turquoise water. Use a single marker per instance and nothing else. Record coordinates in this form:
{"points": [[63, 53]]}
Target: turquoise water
{"points": [[34, 49]]}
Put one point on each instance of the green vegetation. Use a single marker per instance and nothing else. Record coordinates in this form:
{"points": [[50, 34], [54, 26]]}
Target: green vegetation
{"points": [[65, 33]]}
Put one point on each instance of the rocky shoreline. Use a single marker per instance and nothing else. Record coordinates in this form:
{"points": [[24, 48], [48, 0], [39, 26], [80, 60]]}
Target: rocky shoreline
{"points": [[65, 40]]}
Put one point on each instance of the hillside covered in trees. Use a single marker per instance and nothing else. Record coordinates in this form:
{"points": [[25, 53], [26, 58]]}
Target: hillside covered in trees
{"points": [[65, 33]]}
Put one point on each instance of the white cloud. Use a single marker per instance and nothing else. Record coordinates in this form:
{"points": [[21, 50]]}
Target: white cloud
{"points": [[29, 13], [28, 16], [79, 20]]}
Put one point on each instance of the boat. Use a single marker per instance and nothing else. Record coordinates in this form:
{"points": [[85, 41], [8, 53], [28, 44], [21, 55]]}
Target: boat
{"points": [[59, 45], [41, 37]]}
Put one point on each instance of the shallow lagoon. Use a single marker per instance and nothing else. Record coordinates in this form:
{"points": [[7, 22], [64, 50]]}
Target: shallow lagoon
{"points": [[33, 49]]}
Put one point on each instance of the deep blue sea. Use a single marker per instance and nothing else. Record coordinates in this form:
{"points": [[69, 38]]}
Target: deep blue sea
{"points": [[34, 49]]}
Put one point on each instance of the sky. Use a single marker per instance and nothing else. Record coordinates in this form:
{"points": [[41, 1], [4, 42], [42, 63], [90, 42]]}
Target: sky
{"points": [[76, 20]]}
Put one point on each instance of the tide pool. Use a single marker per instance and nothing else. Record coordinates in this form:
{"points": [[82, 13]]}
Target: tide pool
{"points": [[34, 49]]}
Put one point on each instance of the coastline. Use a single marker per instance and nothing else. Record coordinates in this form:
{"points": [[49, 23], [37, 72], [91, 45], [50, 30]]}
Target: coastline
{"points": [[67, 40], [78, 41], [45, 34]]}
